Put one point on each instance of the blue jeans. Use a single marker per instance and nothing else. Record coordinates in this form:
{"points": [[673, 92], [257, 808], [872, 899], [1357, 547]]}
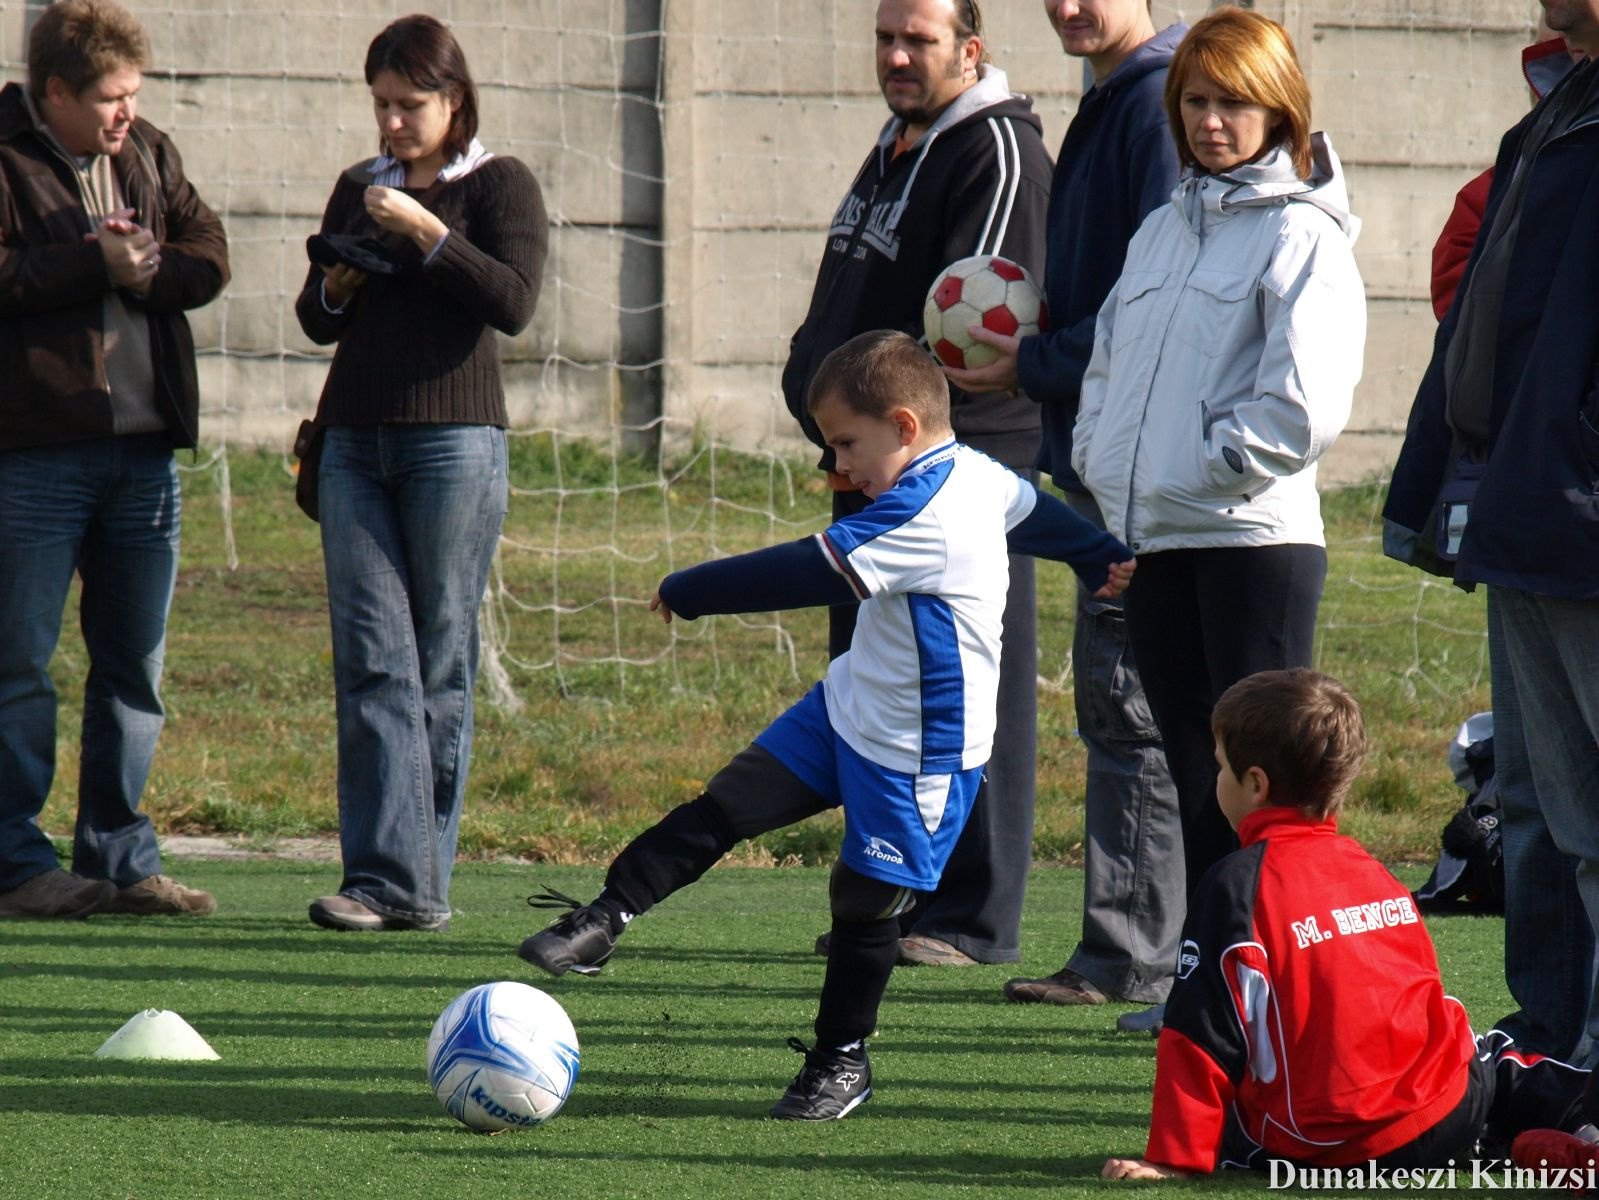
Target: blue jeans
{"points": [[107, 509], [1549, 945], [411, 516], [1553, 648]]}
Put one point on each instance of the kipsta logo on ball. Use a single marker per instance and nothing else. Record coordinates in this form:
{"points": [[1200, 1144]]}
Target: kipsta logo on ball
{"points": [[984, 290], [502, 1056]]}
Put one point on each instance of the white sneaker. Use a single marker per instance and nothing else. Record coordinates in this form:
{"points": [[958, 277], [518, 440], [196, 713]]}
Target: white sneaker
{"points": [[1149, 1020]]}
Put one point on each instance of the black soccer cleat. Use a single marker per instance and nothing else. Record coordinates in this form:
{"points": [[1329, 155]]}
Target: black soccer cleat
{"points": [[830, 1085], [580, 940]]}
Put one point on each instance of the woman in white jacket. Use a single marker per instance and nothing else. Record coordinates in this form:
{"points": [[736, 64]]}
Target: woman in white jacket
{"points": [[1224, 364]]}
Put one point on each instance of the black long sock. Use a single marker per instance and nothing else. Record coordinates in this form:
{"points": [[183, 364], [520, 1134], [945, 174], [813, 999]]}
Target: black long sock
{"points": [[672, 853], [860, 959]]}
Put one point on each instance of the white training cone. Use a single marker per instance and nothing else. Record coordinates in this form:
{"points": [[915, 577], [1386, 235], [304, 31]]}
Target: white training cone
{"points": [[156, 1033]]}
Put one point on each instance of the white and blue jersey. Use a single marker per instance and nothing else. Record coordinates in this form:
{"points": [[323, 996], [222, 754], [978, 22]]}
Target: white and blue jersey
{"points": [[901, 728], [912, 700], [928, 560]]}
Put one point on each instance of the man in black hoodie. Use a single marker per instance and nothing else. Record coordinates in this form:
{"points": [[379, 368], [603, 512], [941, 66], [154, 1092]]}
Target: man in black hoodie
{"points": [[959, 169]]}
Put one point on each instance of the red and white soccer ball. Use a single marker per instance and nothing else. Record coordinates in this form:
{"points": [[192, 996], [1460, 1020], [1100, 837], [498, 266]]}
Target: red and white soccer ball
{"points": [[983, 290]]}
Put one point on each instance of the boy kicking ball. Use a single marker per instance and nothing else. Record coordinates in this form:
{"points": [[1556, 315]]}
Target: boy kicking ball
{"points": [[1308, 1027], [899, 731]]}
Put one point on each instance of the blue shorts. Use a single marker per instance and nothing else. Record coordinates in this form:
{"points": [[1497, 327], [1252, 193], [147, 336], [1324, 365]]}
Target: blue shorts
{"points": [[898, 828]]}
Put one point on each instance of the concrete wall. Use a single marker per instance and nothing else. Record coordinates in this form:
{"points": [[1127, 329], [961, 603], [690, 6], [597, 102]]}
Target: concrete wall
{"points": [[689, 178]]}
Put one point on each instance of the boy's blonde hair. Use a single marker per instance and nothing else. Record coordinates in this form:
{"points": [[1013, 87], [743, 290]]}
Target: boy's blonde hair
{"points": [[1252, 58], [1302, 728], [875, 373]]}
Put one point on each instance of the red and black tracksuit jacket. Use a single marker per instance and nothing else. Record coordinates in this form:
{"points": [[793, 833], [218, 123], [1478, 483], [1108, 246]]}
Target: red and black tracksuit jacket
{"points": [[1307, 1006]]}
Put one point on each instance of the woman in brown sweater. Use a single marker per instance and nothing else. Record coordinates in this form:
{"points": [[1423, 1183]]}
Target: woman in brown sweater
{"points": [[413, 486]]}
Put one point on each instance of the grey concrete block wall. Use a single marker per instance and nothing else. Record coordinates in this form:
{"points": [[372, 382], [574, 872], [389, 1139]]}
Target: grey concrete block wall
{"points": [[689, 177]]}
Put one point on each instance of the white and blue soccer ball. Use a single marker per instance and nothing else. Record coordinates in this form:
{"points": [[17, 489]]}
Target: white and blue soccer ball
{"points": [[502, 1056]]}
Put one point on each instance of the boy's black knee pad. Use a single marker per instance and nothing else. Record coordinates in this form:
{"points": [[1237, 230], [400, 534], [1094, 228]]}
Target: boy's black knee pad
{"points": [[855, 897]]}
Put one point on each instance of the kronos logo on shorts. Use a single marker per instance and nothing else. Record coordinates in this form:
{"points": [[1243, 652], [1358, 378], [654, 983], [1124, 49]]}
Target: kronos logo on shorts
{"points": [[1187, 958], [877, 848]]}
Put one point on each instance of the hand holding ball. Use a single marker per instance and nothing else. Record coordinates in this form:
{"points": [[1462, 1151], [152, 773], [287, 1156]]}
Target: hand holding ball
{"points": [[984, 290]]}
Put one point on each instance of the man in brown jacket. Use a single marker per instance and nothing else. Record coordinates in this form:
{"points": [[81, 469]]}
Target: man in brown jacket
{"points": [[103, 246]]}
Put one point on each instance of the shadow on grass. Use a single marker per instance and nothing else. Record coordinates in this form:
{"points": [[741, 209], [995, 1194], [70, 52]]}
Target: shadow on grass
{"points": [[36, 1020], [200, 1074], [688, 1035], [224, 1094], [287, 936], [151, 973], [649, 995], [272, 935], [914, 1165], [699, 956], [624, 1083], [673, 1105], [207, 1092]]}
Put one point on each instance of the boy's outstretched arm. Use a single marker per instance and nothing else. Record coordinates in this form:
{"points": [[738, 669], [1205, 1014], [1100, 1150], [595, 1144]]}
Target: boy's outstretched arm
{"points": [[1053, 530], [793, 575]]}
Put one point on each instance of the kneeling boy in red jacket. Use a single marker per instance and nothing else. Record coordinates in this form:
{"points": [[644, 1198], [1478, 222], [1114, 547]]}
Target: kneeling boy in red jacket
{"points": [[1308, 1023]]}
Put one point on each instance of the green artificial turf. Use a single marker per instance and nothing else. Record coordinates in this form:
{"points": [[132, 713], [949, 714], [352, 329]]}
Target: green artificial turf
{"points": [[320, 1089]]}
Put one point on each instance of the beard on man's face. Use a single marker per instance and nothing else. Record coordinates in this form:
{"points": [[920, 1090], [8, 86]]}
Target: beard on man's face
{"points": [[918, 109]]}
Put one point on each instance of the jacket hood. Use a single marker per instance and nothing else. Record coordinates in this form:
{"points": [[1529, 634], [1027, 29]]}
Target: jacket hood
{"points": [[1269, 180], [1153, 55], [1544, 64], [14, 115], [990, 96]]}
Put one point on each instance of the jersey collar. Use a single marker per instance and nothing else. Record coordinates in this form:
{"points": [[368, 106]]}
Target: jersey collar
{"points": [[930, 459], [1275, 820]]}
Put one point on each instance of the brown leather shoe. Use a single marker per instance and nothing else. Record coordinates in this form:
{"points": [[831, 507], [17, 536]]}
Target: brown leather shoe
{"points": [[1065, 986], [347, 914], [57, 893], [160, 895]]}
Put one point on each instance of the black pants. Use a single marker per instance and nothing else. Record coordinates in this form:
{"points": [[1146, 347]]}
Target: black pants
{"points": [[753, 794], [977, 907], [1507, 1092], [1199, 621]]}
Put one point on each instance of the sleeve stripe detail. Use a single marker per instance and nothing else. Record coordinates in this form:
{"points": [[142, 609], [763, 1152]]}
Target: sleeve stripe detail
{"points": [[840, 564], [1008, 157]]}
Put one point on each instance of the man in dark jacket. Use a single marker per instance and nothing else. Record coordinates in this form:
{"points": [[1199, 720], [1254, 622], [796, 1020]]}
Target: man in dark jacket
{"points": [[959, 169], [1117, 164], [103, 246], [1549, 945], [1498, 479]]}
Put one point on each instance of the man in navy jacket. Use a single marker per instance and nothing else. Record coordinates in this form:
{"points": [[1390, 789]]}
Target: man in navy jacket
{"points": [[1549, 945], [1117, 164], [1505, 429]]}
